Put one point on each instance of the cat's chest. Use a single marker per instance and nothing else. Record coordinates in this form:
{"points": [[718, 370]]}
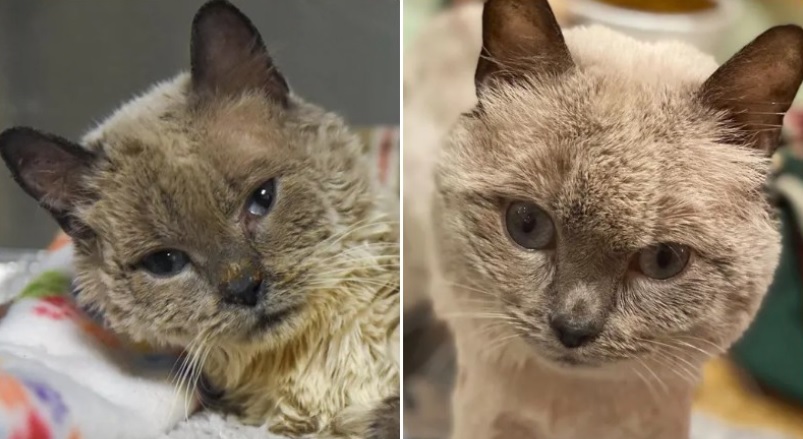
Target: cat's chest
{"points": [[355, 366], [542, 405]]}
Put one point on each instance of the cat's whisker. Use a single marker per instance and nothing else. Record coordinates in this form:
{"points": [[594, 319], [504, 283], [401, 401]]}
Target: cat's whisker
{"points": [[500, 343], [657, 378], [669, 355], [358, 226], [185, 389], [676, 368], [187, 369], [179, 366], [366, 249], [199, 374], [180, 382], [768, 113], [650, 389], [470, 317], [354, 265], [717, 350], [478, 291], [477, 301], [187, 381], [343, 275], [707, 354], [338, 282], [489, 328], [771, 125], [475, 313], [757, 102]]}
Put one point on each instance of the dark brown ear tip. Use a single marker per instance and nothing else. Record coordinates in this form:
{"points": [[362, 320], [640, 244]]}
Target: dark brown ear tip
{"points": [[13, 138], [16, 139], [217, 10], [216, 6], [14, 132], [791, 31], [789, 35]]}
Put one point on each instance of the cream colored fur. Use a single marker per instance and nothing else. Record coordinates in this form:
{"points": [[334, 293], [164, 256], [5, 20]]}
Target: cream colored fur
{"points": [[326, 372], [506, 387], [221, 214]]}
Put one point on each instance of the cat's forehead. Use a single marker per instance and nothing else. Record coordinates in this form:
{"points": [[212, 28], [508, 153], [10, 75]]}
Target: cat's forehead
{"points": [[614, 162], [170, 170], [165, 121]]}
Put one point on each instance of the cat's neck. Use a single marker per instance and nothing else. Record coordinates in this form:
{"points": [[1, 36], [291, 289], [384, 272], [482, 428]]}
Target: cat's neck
{"points": [[525, 393]]}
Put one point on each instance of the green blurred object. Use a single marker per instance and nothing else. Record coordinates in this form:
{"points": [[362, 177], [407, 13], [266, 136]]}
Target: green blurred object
{"points": [[772, 348], [49, 283], [416, 14]]}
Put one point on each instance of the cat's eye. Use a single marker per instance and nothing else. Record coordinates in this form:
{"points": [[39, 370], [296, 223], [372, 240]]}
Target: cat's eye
{"points": [[662, 261], [165, 263], [261, 200], [529, 226]]}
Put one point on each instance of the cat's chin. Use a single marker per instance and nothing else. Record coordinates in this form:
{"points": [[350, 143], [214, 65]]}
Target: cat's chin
{"points": [[261, 324], [570, 361], [566, 361], [270, 319]]}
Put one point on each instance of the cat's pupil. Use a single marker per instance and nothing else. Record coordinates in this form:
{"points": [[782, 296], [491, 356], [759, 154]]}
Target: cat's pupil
{"points": [[529, 226], [261, 200], [528, 221], [663, 261], [664, 257], [165, 262]]}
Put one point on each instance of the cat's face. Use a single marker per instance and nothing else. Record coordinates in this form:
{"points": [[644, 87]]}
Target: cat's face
{"points": [[608, 218], [216, 206]]}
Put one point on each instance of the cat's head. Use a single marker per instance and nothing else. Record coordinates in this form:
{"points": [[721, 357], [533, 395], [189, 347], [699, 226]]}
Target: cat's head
{"points": [[606, 197], [218, 205]]}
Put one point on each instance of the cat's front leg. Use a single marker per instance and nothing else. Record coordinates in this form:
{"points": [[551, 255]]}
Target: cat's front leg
{"points": [[376, 421]]}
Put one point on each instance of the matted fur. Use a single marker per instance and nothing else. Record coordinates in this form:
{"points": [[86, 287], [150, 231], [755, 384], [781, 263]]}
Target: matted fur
{"points": [[622, 152], [174, 168]]}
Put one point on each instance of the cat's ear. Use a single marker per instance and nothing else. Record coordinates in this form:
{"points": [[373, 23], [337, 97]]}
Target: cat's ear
{"points": [[757, 85], [520, 38], [50, 169], [228, 56]]}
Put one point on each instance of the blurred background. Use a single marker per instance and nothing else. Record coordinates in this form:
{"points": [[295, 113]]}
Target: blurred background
{"points": [[756, 391], [64, 66]]}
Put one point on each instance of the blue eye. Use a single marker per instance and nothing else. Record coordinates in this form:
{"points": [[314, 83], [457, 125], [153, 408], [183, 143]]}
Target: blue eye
{"points": [[261, 200], [165, 263]]}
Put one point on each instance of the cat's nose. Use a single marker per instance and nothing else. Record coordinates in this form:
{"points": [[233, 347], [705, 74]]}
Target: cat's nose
{"points": [[245, 290], [573, 333]]}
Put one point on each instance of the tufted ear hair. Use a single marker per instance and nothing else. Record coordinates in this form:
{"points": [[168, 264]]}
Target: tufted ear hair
{"points": [[51, 170], [228, 56], [756, 86], [519, 38]]}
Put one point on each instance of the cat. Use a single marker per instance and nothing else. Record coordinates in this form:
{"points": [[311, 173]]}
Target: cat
{"points": [[600, 223], [222, 213]]}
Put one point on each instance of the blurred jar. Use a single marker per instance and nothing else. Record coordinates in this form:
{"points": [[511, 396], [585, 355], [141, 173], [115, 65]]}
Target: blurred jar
{"points": [[702, 23]]}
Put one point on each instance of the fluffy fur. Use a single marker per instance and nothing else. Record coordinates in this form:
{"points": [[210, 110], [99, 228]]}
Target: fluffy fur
{"points": [[175, 168], [625, 145]]}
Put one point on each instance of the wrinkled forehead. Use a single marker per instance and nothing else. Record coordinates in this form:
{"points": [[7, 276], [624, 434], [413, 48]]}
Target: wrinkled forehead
{"points": [[182, 178], [153, 196], [623, 172]]}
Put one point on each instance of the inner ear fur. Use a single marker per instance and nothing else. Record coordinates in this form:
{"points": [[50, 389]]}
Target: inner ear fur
{"points": [[520, 38], [50, 169], [228, 56], [756, 87]]}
